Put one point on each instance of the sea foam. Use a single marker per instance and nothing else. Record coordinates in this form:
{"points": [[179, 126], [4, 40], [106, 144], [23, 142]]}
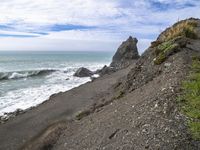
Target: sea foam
{"points": [[24, 74]]}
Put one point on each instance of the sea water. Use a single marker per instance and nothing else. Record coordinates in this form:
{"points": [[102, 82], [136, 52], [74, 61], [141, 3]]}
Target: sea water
{"points": [[29, 78]]}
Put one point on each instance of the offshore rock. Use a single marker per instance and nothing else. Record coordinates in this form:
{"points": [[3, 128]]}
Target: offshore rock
{"points": [[126, 54]]}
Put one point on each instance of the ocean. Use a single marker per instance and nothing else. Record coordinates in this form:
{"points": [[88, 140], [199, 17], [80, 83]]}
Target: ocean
{"points": [[30, 78]]}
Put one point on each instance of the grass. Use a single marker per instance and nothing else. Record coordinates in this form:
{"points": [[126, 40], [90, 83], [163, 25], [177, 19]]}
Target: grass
{"points": [[184, 28], [190, 100], [164, 50], [160, 59], [195, 129], [168, 45]]}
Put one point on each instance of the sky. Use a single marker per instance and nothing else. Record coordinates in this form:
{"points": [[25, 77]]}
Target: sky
{"points": [[87, 25]]}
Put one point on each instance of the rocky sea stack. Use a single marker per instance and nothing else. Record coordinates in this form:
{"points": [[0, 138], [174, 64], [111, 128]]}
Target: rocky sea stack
{"points": [[126, 54]]}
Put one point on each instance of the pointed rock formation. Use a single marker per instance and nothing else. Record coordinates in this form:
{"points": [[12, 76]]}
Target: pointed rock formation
{"points": [[126, 54]]}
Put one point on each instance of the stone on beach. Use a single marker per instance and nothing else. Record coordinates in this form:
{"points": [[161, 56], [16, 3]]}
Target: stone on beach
{"points": [[83, 72]]}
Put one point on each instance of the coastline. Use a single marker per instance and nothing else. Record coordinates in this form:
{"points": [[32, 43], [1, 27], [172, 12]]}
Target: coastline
{"points": [[60, 107], [135, 107], [10, 115], [29, 79]]}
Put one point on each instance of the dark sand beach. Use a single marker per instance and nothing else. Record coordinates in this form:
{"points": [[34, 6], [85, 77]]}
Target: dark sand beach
{"points": [[60, 107]]}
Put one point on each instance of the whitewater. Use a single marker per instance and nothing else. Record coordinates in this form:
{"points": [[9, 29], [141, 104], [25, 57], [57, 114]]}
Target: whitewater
{"points": [[29, 78]]}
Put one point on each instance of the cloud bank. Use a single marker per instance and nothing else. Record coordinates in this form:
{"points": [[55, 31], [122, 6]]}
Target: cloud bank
{"points": [[87, 24]]}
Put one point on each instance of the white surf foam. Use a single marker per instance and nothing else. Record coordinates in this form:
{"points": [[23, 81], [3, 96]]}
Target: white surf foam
{"points": [[58, 81], [26, 98]]}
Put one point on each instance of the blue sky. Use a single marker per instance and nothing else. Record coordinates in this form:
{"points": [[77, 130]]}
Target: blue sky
{"points": [[87, 24]]}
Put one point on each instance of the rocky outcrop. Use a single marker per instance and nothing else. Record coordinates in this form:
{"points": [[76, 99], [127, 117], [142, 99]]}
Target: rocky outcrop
{"points": [[126, 54], [83, 72]]}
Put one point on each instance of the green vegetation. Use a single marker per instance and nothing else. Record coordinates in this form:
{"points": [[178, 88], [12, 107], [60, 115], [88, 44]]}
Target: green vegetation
{"points": [[168, 44], [195, 129], [160, 59], [164, 50], [190, 100]]}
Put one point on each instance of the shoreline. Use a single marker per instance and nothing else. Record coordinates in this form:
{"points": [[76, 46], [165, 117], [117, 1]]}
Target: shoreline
{"points": [[138, 107], [62, 106], [9, 115]]}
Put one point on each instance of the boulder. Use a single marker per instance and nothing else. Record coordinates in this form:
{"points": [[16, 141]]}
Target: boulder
{"points": [[83, 72], [106, 70], [126, 54]]}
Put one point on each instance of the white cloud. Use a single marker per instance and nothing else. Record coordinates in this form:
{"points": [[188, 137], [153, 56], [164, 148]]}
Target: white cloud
{"points": [[85, 12], [115, 20]]}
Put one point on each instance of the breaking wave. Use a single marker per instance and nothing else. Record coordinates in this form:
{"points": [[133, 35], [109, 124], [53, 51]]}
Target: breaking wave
{"points": [[24, 74]]}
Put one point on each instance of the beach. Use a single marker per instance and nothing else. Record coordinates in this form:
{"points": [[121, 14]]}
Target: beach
{"points": [[27, 79], [60, 107]]}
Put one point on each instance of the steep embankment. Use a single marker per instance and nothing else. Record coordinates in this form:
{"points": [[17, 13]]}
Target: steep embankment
{"points": [[142, 110]]}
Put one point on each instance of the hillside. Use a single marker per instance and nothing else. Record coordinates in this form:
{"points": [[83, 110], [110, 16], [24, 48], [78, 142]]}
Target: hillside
{"points": [[147, 114]]}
